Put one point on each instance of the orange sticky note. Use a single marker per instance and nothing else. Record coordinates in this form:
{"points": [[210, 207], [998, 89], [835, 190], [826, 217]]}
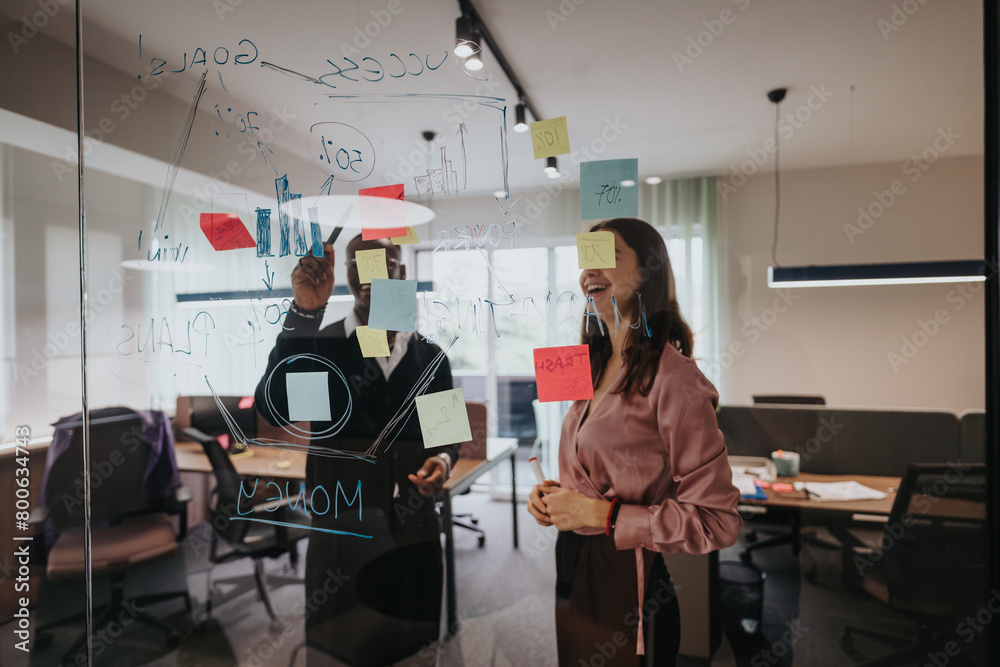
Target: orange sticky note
{"points": [[563, 373], [225, 231]]}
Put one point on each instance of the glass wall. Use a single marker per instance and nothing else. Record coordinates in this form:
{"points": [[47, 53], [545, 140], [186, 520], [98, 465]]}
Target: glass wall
{"points": [[221, 142]]}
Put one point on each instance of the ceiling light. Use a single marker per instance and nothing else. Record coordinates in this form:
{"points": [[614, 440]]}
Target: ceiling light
{"points": [[628, 183], [500, 194], [473, 63], [520, 125], [653, 180], [551, 166], [908, 273], [463, 37]]}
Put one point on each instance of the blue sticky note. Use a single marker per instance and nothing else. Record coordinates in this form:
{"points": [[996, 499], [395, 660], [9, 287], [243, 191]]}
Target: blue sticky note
{"points": [[394, 305], [609, 189], [308, 397]]}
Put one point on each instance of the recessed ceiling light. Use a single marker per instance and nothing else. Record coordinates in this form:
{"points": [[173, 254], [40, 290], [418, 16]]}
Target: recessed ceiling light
{"points": [[628, 183], [653, 180]]}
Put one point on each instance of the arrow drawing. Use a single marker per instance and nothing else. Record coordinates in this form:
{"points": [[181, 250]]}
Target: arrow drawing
{"points": [[268, 280], [465, 171]]}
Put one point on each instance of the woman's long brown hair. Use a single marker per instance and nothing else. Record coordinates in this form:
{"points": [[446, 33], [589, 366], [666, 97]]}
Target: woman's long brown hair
{"points": [[660, 321]]}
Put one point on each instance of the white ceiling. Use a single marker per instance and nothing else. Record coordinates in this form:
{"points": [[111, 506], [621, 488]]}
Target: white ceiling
{"points": [[607, 62]]}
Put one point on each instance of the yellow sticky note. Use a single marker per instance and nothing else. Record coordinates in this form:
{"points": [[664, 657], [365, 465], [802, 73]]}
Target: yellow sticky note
{"points": [[596, 250], [374, 342], [443, 418], [411, 237], [550, 137], [371, 264]]}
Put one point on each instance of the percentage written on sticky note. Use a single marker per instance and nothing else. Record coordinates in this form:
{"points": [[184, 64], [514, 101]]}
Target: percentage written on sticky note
{"points": [[371, 264], [550, 137], [596, 250], [374, 342]]}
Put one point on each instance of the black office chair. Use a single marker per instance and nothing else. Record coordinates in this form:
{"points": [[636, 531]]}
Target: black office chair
{"points": [[933, 564], [128, 527], [248, 538]]}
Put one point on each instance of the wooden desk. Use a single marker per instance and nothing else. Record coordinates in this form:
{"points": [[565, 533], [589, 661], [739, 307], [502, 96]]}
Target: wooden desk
{"points": [[270, 462], [797, 500]]}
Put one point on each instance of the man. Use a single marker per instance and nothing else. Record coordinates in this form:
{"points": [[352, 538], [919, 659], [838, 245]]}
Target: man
{"points": [[379, 543]]}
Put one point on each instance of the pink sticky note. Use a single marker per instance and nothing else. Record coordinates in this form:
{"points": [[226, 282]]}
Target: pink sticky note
{"points": [[563, 373], [245, 403], [373, 210], [225, 231]]}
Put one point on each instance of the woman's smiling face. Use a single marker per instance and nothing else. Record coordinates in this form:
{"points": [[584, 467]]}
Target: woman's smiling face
{"points": [[620, 282]]}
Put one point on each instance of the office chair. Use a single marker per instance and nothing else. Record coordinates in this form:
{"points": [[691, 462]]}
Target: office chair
{"points": [[474, 449], [933, 564], [128, 528], [247, 539]]}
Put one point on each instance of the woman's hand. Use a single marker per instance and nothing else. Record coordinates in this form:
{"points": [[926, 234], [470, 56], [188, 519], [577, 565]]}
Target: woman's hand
{"points": [[536, 507], [569, 510]]}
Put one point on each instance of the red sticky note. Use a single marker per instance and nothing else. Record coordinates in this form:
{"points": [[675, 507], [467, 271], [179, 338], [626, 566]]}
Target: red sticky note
{"points": [[372, 210], [225, 231], [387, 233], [563, 373]]}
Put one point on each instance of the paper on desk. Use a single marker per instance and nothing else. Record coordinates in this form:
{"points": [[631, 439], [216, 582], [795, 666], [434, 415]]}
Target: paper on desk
{"points": [[745, 483], [841, 491]]}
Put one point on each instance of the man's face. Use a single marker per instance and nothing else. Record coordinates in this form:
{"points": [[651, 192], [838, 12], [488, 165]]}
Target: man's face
{"points": [[362, 292]]}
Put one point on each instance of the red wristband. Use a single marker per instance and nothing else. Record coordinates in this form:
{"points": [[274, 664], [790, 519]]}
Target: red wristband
{"points": [[611, 513]]}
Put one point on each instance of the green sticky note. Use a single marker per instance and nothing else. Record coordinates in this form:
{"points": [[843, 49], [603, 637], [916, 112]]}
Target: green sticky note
{"points": [[374, 342], [595, 250], [443, 418], [371, 264], [550, 137], [608, 189]]}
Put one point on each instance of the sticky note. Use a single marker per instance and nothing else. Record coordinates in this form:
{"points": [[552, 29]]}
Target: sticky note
{"points": [[443, 418], [374, 342], [563, 373], [378, 206], [550, 137], [410, 237], [308, 396], [225, 231], [394, 305], [387, 233], [602, 193], [595, 250], [371, 264]]}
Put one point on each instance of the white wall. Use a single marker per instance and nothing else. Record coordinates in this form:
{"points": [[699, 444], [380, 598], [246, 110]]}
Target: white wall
{"points": [[837, 341]]}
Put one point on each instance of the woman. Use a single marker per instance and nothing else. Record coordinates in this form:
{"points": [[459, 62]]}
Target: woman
{"points": [[642, 465]]}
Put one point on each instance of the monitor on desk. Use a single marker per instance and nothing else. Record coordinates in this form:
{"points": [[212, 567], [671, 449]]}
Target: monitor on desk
{"points": [[206, 416]]}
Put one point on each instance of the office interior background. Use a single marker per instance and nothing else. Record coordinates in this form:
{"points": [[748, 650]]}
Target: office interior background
{"points": [[195, 107]]}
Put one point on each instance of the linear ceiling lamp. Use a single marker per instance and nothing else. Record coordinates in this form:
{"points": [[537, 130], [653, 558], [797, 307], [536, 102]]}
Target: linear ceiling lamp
{"points": [[905, 273], [481, 35]]}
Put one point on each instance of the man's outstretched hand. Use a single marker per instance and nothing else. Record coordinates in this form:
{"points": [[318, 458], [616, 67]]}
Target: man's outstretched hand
{"points": [[312, 280], [431, 476]]}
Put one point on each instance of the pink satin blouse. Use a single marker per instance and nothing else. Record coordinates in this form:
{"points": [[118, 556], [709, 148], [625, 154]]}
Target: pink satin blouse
{"points": [[662, 455]]}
